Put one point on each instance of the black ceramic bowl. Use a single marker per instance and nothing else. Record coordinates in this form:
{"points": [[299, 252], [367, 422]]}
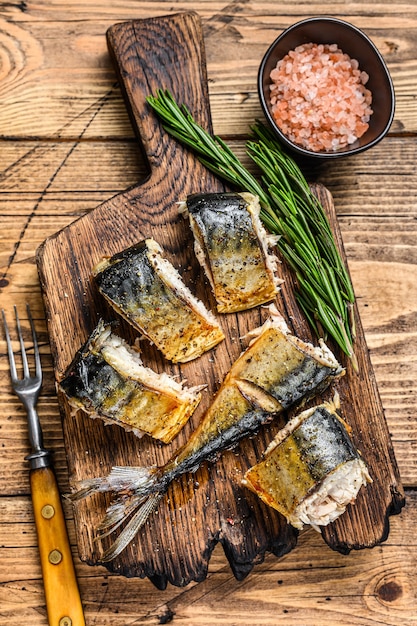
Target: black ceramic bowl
{"points": [[357, 45]]}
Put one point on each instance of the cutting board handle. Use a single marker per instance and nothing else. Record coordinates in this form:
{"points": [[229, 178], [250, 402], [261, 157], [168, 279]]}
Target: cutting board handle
{"points": [[160, 53]]}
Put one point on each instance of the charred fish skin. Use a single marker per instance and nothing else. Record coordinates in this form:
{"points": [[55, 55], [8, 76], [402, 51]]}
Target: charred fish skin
{"points": [[324, 443], [230, 418], [142, 488], [107, 380], [298, 373], [231, 245], [242, 404], [311, 471], [145, 289], [91, 381]]}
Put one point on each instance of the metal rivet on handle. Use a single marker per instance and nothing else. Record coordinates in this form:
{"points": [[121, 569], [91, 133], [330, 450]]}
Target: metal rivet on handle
{"points": [[65, 621], [48, 511], [55, 557]]}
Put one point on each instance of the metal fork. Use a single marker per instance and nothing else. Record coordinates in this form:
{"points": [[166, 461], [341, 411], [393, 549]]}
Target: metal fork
{"points": [[63, 602], [28, 389]]}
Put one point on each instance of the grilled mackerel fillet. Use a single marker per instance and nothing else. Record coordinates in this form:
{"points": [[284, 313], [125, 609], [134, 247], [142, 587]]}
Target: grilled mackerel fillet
{"points": [[145, 289], [311, 471], [231, 245], [107, 380]]}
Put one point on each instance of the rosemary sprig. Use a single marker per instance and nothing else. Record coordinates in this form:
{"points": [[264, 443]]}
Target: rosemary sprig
{"points": [[306, 231], [288, 208], [277, 167], [212, 151]]}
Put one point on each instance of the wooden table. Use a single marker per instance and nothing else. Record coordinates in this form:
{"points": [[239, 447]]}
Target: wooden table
{"points": [[66, 146]]}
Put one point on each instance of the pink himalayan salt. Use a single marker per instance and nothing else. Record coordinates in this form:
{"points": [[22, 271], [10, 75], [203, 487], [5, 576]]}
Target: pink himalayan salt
{"points": [[318, 96]]}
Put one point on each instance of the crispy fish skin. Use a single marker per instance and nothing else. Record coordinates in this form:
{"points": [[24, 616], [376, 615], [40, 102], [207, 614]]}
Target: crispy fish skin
{"points": [[247, 398], [145, 289], [108, 381], [231, 245], [311, 471], [282, 365]]}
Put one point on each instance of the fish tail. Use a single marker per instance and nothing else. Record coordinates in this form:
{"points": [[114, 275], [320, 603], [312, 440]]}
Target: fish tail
{"points": [[138, 489], [86, 488], [138, 480], [138, 509]]}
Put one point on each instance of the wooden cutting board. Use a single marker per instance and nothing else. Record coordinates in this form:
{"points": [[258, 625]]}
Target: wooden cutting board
{"points": [[209, 506]]}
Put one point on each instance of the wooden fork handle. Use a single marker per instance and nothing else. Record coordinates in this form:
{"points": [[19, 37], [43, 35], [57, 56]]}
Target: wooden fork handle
{"points": [[62, 595]]}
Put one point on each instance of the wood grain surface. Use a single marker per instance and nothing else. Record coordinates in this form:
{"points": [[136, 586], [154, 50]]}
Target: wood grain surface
{"points": [[67, 145], [210, 506]]}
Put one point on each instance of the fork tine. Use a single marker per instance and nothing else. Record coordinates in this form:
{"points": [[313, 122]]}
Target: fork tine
{"points": [[38, 366], [22, 345], [12, 362]]}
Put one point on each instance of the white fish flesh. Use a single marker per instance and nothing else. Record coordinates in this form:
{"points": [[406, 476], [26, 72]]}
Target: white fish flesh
{"points": [[311, 471]]}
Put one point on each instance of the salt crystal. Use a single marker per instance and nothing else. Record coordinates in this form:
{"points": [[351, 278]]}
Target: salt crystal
{"points": [[318, 87]]}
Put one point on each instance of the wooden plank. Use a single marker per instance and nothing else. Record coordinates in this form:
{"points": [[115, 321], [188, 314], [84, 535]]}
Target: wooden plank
{"points": [[91, 449], [310, 585], [60, 50]]}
